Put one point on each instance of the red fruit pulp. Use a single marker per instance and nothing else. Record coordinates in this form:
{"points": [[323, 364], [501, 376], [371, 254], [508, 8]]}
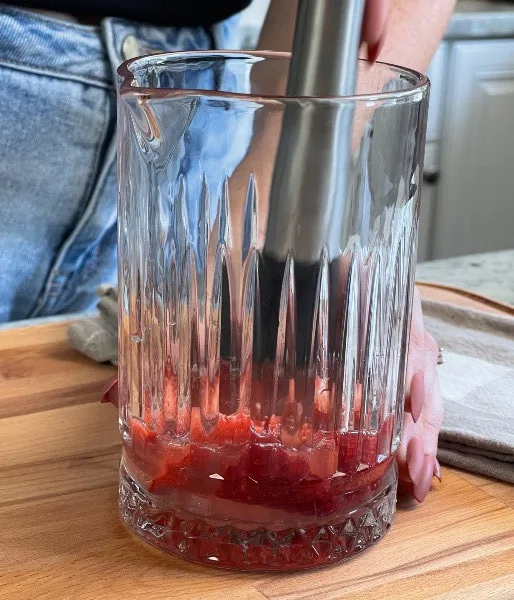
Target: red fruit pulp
{"points": [[256, 476]]}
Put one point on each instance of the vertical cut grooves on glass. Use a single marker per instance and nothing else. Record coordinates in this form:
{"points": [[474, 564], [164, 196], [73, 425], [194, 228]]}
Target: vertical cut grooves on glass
{"points": [[201, 279], [209, 296], [125, 315], [249, 260], [395, 308], [230, 322], [249, 219], [319, 368], [284, 397], [351, 388], [184, 334], [183, 259], [154, 303], [372, 391], [373, 349], [207, 352], [170, 332], [213, 404], [208, 408], [408, 275], [194, 359], [143, 334], [247, 331]]}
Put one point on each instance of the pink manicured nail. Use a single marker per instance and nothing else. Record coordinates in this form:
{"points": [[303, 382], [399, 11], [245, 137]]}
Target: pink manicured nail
{"points": [[417, 395], [375, 49], [110, 391], [423, 487], [415, 459], [437, 470]]}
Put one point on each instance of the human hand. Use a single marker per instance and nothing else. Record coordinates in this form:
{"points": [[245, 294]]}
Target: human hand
{"points": [[374, 26], [423, 415]]}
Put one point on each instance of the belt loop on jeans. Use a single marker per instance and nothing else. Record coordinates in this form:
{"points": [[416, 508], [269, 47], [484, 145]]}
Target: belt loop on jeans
{"points": [[113, 43]]}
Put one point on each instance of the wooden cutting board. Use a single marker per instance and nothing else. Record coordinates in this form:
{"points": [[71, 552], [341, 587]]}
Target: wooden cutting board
{"points": [[454, 295], [61, 538]]}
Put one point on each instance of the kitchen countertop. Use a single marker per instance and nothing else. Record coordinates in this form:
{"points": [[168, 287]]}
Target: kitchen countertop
{"points": [[490, 274], [474, 19]]}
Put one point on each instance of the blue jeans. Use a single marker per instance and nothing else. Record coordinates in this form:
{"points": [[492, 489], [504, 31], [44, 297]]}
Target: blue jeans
{"points": [[57, 153]]}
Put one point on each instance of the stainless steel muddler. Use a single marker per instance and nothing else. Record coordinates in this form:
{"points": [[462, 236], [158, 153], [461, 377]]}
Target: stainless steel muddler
{"points": [[310, 176]]}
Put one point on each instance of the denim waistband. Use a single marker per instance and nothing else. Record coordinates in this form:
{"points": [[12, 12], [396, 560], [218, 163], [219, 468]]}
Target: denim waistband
{"points": [[33, 42], [30, 41]]}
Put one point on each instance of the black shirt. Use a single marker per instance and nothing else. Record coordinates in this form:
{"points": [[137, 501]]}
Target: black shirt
{"points": [[173, 13]]}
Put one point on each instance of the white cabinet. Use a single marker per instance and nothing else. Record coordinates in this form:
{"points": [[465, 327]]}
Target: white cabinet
{"points": [[474, 208], [437, 75], [428, 201]]}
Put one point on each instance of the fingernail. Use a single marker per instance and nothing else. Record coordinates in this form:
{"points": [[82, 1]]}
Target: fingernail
{"points": [[423, 487], [415, 459], [375, 49], [437, 470], [110, 391], [417, 395]]}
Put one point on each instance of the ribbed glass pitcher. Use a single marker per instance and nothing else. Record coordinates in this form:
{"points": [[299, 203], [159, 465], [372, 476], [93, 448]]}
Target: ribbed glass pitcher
{"points": [[261, 395]]}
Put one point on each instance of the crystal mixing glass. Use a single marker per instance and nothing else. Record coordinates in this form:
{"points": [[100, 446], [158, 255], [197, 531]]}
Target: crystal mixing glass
{"points": [[262, 378]]}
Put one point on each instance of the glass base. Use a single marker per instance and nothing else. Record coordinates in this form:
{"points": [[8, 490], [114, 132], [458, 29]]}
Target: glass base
{"points": [[240, 548]]}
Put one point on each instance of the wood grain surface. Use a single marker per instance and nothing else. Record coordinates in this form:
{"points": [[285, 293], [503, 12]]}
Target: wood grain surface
{"points": [[455, 295], [61, 537]]}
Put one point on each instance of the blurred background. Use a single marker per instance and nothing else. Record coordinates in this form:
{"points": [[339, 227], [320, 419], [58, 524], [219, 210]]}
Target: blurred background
{"points": [[468, 194]]}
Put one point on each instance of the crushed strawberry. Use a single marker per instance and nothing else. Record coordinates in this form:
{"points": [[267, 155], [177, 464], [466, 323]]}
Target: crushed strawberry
{"points": [[287, 461], [142, 435], [227, 429]]}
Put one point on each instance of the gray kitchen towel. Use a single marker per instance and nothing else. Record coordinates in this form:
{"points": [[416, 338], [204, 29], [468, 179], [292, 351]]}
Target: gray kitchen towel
{"points": [[477, 382], [97, 337], [477, 379]]}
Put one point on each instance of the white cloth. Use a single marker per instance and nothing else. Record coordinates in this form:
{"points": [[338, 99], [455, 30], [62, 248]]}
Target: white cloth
{"points": [[477, 382]]}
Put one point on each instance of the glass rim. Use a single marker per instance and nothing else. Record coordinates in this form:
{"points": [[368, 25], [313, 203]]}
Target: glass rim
{"points": [[128, 85]]}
